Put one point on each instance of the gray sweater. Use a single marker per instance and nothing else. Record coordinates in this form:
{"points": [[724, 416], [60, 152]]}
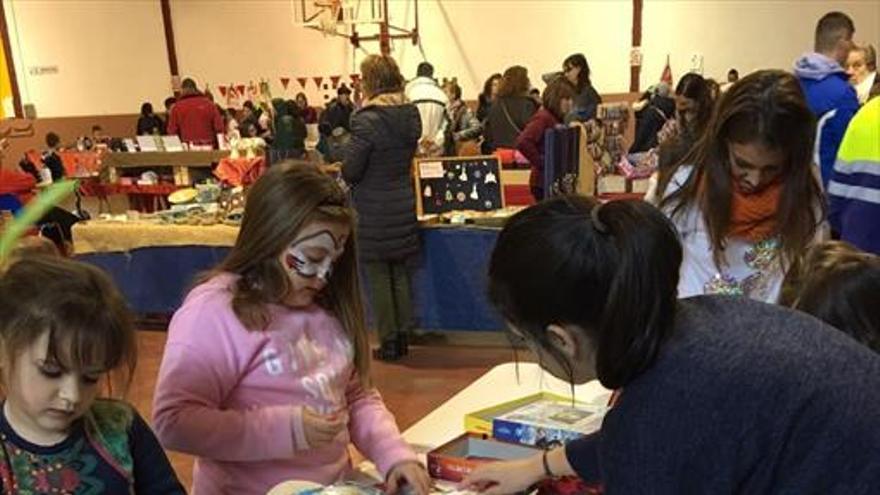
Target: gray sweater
{"points": [[745, 397]]}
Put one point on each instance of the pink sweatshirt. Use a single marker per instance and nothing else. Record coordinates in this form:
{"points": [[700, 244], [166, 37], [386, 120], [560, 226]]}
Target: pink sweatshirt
{"points": [[234, 397]]}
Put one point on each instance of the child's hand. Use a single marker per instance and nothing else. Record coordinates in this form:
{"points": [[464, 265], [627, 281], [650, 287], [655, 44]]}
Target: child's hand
{"points": [[322, 429], [413, 474], [505, 477]]}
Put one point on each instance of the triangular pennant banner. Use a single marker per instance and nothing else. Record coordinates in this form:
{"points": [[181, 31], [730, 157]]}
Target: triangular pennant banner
{"points": [[285, 81], [222, 90], [355, 80], [240, 88], [318, 81], [302, 81], [335, 81]]}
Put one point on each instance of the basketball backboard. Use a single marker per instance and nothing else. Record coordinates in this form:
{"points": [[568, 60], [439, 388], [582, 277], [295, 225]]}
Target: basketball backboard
{"points": [[336, 15]]}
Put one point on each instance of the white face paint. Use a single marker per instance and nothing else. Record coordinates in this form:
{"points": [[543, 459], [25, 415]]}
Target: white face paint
{"points": [[310, 258], [301, 255]]}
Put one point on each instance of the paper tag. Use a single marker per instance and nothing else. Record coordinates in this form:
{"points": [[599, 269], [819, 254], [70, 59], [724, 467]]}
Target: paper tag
{"points": [[431, 170]]}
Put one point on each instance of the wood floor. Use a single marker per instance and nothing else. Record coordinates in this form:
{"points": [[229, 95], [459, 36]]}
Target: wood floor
{"points": [[414, 387]]}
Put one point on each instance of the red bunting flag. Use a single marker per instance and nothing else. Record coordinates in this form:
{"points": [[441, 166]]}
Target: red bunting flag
{"points": [[355, 80], [667, 73], [302, 81], [222, 89], [318, 80], [285, 81], [335, 81], [240, 88]]}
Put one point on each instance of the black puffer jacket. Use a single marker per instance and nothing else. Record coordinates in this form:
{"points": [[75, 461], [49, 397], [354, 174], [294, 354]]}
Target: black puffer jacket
{"points": [[378, 160]]}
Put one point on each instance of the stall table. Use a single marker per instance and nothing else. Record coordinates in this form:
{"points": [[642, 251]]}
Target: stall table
{"points": [[155, 264], [181, 161]]}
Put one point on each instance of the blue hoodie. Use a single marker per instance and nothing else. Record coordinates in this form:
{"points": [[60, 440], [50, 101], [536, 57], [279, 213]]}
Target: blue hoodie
{"points": [[827, 89]]}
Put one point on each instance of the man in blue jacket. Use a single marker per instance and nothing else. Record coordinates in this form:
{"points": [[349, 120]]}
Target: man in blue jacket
{"points": [[827, 87]]}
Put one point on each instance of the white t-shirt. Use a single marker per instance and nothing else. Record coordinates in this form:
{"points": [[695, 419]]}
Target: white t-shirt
{"points": [[750, 269]]}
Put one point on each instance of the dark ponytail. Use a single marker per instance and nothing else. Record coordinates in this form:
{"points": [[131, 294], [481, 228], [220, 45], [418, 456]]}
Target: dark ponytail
{"points": [[639, 309], [611, 270]]}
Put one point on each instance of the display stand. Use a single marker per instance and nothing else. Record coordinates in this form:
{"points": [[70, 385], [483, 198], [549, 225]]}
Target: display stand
{"points": [[471, 183], [181, 161]]}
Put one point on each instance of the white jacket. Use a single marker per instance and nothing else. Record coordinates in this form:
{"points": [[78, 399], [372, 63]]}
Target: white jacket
{"points": [[431, 101]]}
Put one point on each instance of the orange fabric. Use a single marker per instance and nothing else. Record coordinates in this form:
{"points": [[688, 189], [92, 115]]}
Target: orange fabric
{"points": [[753, 215], [240, 171]]}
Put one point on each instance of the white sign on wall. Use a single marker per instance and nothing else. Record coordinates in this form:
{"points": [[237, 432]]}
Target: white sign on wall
{"points": [[43, 70]]}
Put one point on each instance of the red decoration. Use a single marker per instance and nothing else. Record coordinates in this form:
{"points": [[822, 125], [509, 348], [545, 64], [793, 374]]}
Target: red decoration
{"points": [[222, 89], [355, 80], [667, 73], [285, 81], [335, 81], [318, 81], [240, 88], [302, 81]]}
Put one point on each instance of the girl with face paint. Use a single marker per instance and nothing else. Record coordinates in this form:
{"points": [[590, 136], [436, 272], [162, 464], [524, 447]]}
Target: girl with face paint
{"points": [[265, 376]]}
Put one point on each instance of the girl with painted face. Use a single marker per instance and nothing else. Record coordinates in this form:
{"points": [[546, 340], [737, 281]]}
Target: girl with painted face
{"points": [[67, 354], [746, 199], [266, 373], [716, 394]]}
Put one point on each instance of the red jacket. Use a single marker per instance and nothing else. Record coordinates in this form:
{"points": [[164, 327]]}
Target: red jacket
{"points": [[530, 143], [195, 119]]}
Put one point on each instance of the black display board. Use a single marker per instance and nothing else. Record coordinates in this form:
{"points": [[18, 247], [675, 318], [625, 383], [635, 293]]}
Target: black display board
{"points": [[459, 183]]}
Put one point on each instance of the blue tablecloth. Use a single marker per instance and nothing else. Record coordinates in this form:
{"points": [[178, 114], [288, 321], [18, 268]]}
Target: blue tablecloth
{"points": [[449, 283]]}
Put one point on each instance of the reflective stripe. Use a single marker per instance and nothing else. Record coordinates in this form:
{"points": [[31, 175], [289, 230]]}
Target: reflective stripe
{"points": [[860, 193], [817, 146], [857, 167]]}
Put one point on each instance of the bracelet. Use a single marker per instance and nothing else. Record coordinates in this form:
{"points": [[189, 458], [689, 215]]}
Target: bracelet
{"points": [[547, 472]]}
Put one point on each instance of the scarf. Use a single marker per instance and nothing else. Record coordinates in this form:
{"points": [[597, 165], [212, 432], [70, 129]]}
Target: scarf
{"points": [[753, 215], [386, 100]]}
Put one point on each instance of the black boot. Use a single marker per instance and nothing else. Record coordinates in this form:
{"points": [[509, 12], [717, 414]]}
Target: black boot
{"points": [[389, 351]]}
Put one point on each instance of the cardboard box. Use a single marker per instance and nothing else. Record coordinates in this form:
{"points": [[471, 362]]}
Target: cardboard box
{"points": [[458, 458], [503, 422]]}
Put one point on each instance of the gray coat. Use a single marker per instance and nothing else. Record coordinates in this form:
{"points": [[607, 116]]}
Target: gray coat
{"points": [[377, 165]]}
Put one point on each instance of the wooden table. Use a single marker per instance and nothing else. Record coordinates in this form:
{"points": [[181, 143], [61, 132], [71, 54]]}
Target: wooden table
{"points": [[181, 161]]}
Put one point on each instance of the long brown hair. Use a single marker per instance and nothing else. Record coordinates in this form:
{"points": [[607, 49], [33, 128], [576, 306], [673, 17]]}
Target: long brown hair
{"points": [[557, 91], [279, 205], [88, 320], [515, 82], [766, 107]]}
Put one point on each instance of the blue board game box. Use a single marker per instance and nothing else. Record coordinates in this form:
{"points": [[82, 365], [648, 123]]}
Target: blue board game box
{"points": [[547, 423]]}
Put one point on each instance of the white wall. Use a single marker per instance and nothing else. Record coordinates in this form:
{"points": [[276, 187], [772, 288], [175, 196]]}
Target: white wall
{"points": [[110, 55], [471, 39], [745, 34]]}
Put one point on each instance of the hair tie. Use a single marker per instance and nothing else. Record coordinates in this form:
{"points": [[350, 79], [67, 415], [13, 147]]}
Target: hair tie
{"points": [[598, 224]]}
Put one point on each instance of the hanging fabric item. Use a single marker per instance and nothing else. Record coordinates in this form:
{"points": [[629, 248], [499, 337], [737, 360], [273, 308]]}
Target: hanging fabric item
{"points": [[240, 88], [667, 73], [302, 81], [318, 80], [355, 80], [222, 90], [285, 81], [335, 81]]}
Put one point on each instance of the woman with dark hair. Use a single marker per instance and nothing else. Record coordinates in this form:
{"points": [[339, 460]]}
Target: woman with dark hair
{"points": [[746, 199], [511, 110], [309, 114], [463, 126], [716, 394], [290, 132], [487, 97], [576, 69], [149, 123], [557, 103], [694, 102], [384, 135]]}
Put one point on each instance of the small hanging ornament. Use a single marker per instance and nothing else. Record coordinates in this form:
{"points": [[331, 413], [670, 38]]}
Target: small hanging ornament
{"points": [[474, 194], [490, 178], [449, 196], [428, 191], [463, 176]]}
